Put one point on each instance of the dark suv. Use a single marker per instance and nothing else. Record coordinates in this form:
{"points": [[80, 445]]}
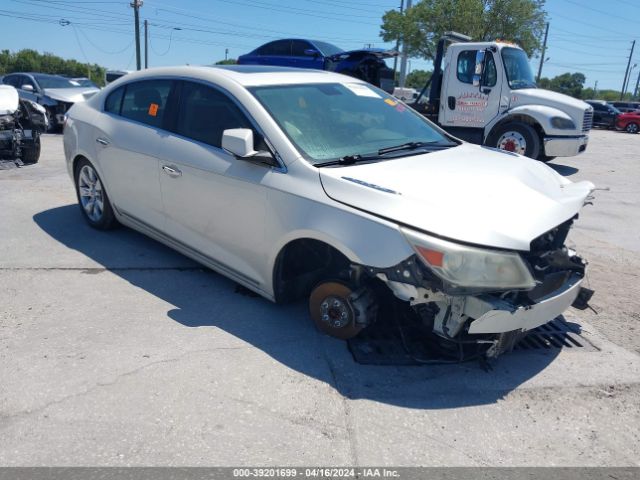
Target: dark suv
{"points": [[604, 115], [626, 106]]}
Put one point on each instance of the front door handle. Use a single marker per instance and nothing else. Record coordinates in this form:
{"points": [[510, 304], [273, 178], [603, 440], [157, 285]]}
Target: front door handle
{"points": [[451, 101], [171, 171], [102, 141]]}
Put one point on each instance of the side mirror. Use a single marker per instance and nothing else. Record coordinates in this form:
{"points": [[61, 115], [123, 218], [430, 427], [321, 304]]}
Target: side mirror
{"points": [[239, 142], [477, 74], [27, 88], [311, 52]]}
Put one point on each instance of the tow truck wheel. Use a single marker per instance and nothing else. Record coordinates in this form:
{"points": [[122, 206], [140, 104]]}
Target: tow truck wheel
{"points": [[632, 128], [517, 137], [332, 311]]}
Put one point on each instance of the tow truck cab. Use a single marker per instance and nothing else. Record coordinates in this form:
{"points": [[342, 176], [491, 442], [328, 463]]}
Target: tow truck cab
{"points": [[485, 93]]}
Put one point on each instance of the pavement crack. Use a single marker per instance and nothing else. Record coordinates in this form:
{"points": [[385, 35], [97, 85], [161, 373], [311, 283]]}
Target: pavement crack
{"points": [[348, 418], [118, 377]]}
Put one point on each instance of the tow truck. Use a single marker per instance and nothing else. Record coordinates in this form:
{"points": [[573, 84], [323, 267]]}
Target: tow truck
{"points": [[485, 93]]}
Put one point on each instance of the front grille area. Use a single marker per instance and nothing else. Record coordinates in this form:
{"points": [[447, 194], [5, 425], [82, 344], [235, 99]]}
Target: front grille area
{"points": [[587, 121]]}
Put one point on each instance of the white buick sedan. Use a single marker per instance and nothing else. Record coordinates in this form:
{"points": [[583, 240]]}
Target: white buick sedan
{"points": [[309, 184]]}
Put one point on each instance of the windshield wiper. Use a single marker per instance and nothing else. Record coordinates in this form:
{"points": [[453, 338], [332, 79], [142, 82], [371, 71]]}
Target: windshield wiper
{"points": [[349, 160], [415, 146], [356, 158]]}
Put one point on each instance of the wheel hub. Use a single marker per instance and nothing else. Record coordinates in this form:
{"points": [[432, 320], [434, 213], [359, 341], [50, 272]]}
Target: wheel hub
{"points": [[90, 192], [335, 311], [512, 142], [332, 311]]}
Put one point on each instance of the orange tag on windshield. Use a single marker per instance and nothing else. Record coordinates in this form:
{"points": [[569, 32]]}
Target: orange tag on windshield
{"points": [[153, 109], [388, 101]]}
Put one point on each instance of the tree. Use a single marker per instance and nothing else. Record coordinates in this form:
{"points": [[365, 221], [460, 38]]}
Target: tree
{"points": [[32, 61], [417, 79], [229, 61], [421, 26], [567, 83]]}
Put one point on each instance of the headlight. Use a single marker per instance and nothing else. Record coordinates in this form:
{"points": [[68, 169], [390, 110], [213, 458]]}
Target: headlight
{"points": [[563, 123], [465, 266]]}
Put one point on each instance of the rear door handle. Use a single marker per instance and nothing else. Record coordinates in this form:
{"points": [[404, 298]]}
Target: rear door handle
{"points": [[171, 171], [102, 141]]}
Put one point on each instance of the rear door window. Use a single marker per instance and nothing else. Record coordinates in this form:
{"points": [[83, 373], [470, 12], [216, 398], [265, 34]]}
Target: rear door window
{"points": [[299, 46], [204, 113], [146, 101]]}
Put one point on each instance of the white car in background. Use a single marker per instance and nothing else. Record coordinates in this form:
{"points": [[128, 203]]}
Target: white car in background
{"points": [[300, 183]]}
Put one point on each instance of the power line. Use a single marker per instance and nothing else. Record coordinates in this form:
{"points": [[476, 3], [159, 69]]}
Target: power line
{"points": [[602, 12], [570, 19]]}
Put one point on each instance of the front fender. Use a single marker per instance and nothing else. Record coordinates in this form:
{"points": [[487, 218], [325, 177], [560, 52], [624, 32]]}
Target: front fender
{"points": [[540, 114], [360, 237]]}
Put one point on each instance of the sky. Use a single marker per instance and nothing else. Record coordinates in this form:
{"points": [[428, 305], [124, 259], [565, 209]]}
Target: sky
{"points": [[589, 36]]}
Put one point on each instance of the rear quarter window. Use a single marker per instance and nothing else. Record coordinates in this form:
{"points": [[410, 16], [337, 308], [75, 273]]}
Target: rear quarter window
{"points": [[114, 101]]}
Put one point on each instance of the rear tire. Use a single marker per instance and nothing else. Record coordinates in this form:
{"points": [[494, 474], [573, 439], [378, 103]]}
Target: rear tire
{"points": [[632, 128], [92, 197], [516, 137]]}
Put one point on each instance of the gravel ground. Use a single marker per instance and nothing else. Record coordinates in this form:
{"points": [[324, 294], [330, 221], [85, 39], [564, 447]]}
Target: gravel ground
{"points": [[608, 233], [117, 351]]}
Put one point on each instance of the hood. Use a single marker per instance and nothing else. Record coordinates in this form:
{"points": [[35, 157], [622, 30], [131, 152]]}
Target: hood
{"points": [[70, 95], [468, 193], [540, 96], [8, 100]]}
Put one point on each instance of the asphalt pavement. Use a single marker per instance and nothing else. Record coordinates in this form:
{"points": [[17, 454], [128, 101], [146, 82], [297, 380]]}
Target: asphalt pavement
{"points": [[117, 351]]}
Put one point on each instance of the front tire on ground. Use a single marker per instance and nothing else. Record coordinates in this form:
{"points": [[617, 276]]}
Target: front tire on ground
{"points": [[31, 154], [632, 128], [517, 137], [331, 310], [92, 197]]}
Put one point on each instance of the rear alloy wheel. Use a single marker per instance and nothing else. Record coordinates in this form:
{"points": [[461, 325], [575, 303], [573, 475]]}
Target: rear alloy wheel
{"points": [[332, 311], [632, 128], [93, 198], [517, 137]]}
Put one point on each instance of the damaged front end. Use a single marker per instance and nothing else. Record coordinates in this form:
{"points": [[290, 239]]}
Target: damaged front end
{"points": [[485, 299]]}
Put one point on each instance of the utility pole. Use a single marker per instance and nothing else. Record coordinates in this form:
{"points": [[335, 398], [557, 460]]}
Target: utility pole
{"points": [[403, 62], [395, 59], [226, 53], [595, 90], [629, 78], [626, 73], [136, 4], [544, 49], [146, 44], [635, 90]]}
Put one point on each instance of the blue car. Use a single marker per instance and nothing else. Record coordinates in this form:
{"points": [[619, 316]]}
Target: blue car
{"points": [[366, 64]]}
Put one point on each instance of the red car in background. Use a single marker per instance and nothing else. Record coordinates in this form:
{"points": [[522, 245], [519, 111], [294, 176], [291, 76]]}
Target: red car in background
{"points": [[629, 122]]}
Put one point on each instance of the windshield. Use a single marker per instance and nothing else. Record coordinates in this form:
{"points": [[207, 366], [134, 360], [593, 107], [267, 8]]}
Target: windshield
{"points": [[327, 49], [84, 82], [516, 64], [332, 120], [55, 82]]}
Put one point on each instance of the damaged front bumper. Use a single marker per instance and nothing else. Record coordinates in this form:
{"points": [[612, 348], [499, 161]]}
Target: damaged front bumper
{"points": [[494, 321], [493, 315]]}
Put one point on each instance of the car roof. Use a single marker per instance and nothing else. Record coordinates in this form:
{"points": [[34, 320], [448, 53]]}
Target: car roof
{"points": [[245, 75]]}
